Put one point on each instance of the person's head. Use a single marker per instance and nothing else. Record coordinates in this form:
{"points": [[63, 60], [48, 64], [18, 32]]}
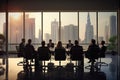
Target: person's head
{"points": [[76, 42], [43, 43], [29, 41], [59, 44], [102, 42], [93, 41], [69, 41], [23, 40], [50, 40]]}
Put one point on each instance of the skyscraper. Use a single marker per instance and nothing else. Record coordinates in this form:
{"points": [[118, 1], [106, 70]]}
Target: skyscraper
{"points": [[70, 33], [29, 28], [113, 27], [106, 33], [54, 30], [89, 30]]}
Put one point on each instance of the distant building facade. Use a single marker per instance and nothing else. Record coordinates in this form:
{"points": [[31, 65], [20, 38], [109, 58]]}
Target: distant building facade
{"points": [[89, 33], [29, 28], [54, 31], [113, 27], [70, 33], [107, 33]]}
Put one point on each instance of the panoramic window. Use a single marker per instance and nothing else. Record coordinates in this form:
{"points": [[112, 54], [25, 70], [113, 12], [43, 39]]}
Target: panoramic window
{"points": [[15, 29], [51, 26], [2, 31], [47, 26], [107, 25], [69, 26], [2, 44], [87, 28], [107, 29], [33, 26]]}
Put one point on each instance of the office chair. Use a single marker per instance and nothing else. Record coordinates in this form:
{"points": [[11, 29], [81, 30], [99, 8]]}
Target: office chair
{"points": [[92, 55], [102, 55], [44, 55], [60, 55]]}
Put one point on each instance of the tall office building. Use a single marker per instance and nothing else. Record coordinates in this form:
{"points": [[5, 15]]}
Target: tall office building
{"points": [[70, 33], [89, 30], [29, 28], [62, 34], [106, 34], [113, 27], [54, 31], [39, 36]]}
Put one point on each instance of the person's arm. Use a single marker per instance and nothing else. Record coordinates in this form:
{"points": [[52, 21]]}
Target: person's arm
{"points": [[82, 49]]}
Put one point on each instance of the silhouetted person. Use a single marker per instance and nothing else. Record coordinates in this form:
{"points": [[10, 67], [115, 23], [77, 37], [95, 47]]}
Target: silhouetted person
{"points": [[29, 51], [59, 45], [93, 51], [44, 52], [69, 45], [22, 47], [50, 44], [59, 51], [103, 48], [76, 51]]}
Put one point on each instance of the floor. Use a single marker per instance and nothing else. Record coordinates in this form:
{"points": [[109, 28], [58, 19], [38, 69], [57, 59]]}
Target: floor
{"points": [[15, 71]]}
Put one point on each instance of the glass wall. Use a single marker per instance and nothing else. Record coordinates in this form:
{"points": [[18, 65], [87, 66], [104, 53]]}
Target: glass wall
{"points": [[69, 26], [107, 29], [33, 28], [62, 26], [107, 24], [2, 45], [51, 26], [15, 29], [87, 28]]}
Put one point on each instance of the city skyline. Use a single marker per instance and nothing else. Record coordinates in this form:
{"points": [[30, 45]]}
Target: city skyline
{"points": [[82, 19]]}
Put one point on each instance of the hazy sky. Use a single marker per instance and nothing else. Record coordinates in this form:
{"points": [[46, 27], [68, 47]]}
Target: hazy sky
{"points": [[66, 19]]}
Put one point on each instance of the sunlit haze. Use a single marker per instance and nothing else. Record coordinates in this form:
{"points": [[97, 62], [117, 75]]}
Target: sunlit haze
{"points": [[67, 18]]}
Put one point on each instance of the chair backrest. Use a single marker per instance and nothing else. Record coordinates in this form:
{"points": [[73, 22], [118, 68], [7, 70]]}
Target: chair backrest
{"points": [[60, 54], [17, 48], [76, 53], [93, 51], [102, 51], [44, 53], [19, 54], [29, 52]]}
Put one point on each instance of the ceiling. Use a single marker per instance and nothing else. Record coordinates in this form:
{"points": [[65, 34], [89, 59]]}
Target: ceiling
{"points": [[58, 5]]}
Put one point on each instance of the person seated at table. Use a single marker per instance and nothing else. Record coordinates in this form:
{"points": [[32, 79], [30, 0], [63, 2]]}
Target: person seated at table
{"points": [[69, 45], [60, 51], [29, 51], [93, 51], [50, 44], [44, 52], [22, 47], [76, 51], [103, 48]]}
